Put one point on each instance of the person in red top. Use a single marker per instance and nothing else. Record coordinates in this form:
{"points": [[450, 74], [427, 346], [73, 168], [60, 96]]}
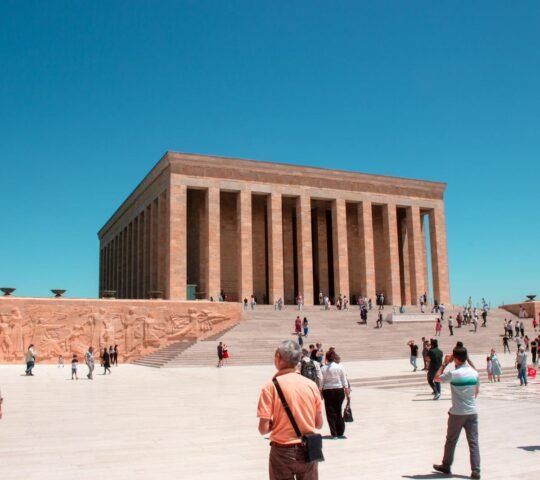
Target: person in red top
{"points": [[304, 399]]}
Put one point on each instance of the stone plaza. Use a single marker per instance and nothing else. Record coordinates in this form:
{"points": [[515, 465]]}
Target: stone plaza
{"points": [[198, 422], [141, 423]]}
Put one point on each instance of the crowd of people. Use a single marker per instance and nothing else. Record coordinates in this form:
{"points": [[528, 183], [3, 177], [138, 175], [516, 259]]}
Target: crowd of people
{"points": [[109, 356]]}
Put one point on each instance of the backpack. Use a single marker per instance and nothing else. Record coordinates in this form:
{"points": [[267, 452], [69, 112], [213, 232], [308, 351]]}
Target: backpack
{"points": [[309, 370]]}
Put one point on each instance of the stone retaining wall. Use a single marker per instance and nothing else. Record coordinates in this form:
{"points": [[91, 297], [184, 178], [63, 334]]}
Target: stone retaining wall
{"points": [[66, 326]]}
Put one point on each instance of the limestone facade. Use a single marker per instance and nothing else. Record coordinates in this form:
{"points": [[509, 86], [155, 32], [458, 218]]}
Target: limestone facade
{"points": [[244, 227]]}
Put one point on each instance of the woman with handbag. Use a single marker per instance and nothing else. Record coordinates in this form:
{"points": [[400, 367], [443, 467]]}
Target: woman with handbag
{"points": [[335, 388]]}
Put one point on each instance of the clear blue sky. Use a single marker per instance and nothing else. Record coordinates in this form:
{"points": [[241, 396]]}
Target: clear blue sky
{"points": [[93, 93]]}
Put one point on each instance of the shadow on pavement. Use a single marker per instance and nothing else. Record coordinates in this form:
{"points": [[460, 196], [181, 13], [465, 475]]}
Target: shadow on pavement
{"points": [[434, 476], [530, 448]]}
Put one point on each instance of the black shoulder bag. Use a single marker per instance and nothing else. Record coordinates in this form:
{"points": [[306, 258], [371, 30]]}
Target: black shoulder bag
{"points": [[312, 442]]}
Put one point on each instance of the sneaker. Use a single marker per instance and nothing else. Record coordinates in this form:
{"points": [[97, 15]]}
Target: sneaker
{"points": [[436, 397], [475, 475], [443, 469]]}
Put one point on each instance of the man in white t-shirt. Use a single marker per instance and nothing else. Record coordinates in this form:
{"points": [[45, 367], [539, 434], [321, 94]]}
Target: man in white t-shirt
{"points": [[464, 385]]}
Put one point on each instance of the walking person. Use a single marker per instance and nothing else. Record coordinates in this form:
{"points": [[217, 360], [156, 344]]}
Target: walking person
{"points": [[510, 328], [30, 358], [298, 325], [521, 365], [74, 365], [451, 325], [106, 358], [425, 350], [438, 327], [414, 354], [379, 320], [506, 347], [220, 354], [335, 388], [225, 354], [521, 327], [90, 362], [496, 369], [464, 387], [287, 452], [305, 326], [489, 368], [534, 349], [434, 359], [115, 356]]}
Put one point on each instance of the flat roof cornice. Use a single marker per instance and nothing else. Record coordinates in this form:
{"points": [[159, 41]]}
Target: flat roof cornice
{"points": [[263, 171], [257, 171]]}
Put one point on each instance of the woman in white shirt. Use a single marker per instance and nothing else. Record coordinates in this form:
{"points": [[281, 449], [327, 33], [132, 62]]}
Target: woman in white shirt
{"points": [[335, 388]]}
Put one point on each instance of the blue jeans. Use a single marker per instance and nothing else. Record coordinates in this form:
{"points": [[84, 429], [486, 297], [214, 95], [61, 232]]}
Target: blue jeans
{"points": [[413, 362], [522, 375], [29, 367]]}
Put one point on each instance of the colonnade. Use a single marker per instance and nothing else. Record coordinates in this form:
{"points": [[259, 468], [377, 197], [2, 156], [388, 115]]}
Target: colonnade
{"points": [[277, 245]]}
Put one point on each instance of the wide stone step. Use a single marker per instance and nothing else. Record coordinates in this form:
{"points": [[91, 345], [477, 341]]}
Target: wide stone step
{"points": [[253, 341]]}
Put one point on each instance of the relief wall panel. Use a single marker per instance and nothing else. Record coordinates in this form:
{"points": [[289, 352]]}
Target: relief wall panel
{"points": [[139, 327]]}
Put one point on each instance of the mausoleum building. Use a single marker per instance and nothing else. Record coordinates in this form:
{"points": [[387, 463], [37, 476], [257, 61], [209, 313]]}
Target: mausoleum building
{"points": [[198, 226]]}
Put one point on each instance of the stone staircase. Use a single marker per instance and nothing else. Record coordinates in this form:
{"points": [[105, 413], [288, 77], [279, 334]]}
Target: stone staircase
{"points": [[253, 341], [161, 357], [417, 379]]}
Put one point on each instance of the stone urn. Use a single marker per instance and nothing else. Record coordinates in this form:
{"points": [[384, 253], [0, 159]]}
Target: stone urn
{"points": [[7, 291], [57, 292], [530, 298]]}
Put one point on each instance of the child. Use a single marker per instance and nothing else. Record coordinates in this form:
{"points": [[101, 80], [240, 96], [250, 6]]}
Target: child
{"points": [[74, 363], [489, 368], [60, 361]]}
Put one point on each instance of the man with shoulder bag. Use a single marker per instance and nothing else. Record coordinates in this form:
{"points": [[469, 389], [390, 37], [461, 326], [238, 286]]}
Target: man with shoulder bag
{"points": [[290, 410]]}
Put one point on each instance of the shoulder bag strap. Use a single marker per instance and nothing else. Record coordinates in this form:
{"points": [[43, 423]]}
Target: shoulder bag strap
{"points": [[287, 408]]}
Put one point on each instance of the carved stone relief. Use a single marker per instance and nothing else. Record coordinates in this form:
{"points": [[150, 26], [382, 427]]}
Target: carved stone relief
{"points": [[64, 327]]}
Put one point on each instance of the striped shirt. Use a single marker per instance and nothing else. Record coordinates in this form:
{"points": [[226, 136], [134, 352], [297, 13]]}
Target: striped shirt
{"points": [[463, 382]]}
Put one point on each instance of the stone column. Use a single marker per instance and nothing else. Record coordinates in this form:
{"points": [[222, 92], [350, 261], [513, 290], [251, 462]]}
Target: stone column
{"points": [[339, 242], [138, 290], [392, 294], [163, 243], [304, 248], [439, 256], [416, 254], [112, 283], [405, 274], [424, 273], [275, 248], [129, 269], [367, 253], [322, 249], [214, 242], [245, 235], [122, 264], [147, 249], [154, 246], [177, 259]]}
